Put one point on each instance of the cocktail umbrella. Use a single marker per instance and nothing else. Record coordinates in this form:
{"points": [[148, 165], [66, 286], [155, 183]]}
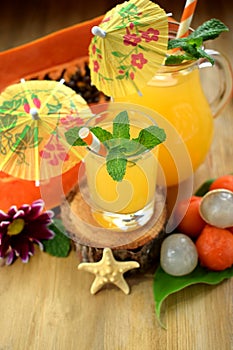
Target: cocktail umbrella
{"points": [[128, 47], [34, 116]]}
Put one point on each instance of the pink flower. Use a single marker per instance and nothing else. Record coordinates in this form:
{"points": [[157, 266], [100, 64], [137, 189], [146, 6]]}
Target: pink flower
{"points": [[131, 25], [150, 35], [107, 19], [36, 101], [71, 120], [93, 49], [26, 106], [54, 152], [138, 60], [131, 75], [96, 66], [131, 39], [21, 227]]}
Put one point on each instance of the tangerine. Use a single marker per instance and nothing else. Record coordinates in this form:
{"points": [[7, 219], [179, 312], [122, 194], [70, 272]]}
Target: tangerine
{"points": [[215, 248], [225, 181], [191, 224]]}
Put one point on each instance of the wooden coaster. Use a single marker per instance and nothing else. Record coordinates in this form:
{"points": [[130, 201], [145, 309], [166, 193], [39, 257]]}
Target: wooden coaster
{"points": [[142, 245]]}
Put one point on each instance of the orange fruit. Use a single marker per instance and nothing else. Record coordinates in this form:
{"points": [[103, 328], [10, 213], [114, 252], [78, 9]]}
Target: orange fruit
{"points": [[215, 248], [16, 191], [191, 224], [225, 181]]}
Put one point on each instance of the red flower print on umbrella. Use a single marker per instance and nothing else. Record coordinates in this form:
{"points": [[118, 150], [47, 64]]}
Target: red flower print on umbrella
{"points": [[128, 46], [34, 116], [150, 35], [138, 60]]}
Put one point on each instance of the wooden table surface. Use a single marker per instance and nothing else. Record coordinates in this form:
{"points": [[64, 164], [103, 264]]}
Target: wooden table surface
{"points": [[46, 303]]}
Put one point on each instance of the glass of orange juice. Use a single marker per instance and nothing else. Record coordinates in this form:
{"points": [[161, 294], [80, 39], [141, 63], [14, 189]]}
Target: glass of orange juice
{"points": [[125, 203], [177, 93]]}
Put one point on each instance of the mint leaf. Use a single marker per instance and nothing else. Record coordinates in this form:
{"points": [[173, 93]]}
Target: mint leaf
{"points": [[151, 136], [191, 46], [72, 137], [209, 30], [131, 147], [203, 54], [176, 43], [60, 245], [165, 284], [116, 164], [121, 126], [177, 59], [101, 134]]}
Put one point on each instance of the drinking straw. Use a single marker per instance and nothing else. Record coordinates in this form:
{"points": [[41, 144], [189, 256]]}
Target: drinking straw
{"points": [[92, 141], [186, 18]]}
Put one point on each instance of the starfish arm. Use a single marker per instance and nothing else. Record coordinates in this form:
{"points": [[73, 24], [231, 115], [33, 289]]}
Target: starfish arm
{"points": [[122, 284], [96, 285], [129, 265], [87, 267]]}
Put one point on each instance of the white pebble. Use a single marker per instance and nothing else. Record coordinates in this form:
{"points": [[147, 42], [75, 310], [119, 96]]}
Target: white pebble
{"points": [[216, 208], [178, 255]]}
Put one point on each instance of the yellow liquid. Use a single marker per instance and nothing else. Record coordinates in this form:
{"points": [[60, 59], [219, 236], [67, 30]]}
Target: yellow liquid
{"points": [[133, 193], [186, 118]]}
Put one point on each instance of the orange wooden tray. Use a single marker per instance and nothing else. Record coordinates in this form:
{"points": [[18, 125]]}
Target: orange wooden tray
{"points": [[47, 53], [60, 49]]}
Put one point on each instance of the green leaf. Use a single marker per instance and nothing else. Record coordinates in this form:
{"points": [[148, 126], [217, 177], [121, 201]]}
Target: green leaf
{"points": [[101, 134], [120, 77], [203, 54], [174, 43], [53, 109], [60, 245], [11, 105], [151, 136], [130, 147], [204, 188], [117, 54], [116, 164], [72, 137], [121, 126], [7, 122], [177, 59], [209, 30], [165, 284], [192, 45]]}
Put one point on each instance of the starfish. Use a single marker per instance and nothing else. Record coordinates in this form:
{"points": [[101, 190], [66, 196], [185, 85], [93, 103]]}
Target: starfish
{"points": [[109, 270]]}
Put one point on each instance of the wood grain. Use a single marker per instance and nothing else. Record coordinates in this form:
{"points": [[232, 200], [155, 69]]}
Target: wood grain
{"points": [[46, 304]]}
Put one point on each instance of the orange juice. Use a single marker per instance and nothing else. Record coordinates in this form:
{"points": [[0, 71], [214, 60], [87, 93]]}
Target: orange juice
{"points": [[127, 204], [176, 94], [133, 193]]}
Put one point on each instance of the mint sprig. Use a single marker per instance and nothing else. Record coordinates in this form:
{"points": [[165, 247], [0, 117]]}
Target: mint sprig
{"points": [[191, 46], [116, 163], [121, 126], [118, 143], [151, 136]]}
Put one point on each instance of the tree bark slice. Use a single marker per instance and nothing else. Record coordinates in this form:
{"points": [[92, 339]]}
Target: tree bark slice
{"points": [[142, 245]]}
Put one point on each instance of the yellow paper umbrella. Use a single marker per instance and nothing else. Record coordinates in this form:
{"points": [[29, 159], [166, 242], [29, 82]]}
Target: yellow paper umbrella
{"points": [[128, 47], [34, 116]]}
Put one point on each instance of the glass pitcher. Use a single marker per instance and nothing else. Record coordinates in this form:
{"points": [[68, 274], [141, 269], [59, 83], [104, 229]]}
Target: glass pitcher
{"points": [[178, 94]]}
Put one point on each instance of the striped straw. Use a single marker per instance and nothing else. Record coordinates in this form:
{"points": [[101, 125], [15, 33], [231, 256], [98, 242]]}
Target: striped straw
{"points": [[186, 18], [92, 141]]}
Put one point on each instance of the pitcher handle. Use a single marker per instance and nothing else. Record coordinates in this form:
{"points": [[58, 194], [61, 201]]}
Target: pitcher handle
{"points": [[220, 83]]}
